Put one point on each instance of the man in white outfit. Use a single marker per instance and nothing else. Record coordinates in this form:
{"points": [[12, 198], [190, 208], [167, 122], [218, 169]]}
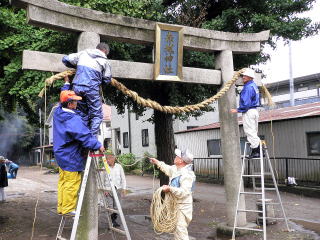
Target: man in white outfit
{"points": [[249, 101], [181, 182], [119, 180]]}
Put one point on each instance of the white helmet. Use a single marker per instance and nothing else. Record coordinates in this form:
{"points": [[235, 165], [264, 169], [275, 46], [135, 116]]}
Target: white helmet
{"points": [[248, 72]]}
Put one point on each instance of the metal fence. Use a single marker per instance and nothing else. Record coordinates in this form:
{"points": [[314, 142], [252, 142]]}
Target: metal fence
{"points": [[305, 170]]}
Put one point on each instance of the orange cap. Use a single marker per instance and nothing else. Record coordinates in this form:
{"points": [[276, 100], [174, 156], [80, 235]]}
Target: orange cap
{"points": [[68, 95]]}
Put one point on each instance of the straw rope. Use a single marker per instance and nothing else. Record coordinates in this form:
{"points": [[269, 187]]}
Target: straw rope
{"points": [[150, 103], [163, 212], [155, 105]]}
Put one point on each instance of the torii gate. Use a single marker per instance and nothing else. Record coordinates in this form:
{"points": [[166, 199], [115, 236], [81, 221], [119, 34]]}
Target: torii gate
{"points": [[55, 15]]}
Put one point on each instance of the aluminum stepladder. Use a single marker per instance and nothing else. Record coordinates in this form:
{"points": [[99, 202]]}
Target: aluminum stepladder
{"points": [[94, 159], [263, 161]]}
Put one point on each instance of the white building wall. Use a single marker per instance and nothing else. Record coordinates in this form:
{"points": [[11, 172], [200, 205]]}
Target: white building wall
{"points": [[121, 122], [297, 95], [205, 119]]}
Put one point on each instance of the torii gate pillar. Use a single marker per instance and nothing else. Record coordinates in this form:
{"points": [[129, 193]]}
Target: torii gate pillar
{"points": [[88, 223], [230, 140]]}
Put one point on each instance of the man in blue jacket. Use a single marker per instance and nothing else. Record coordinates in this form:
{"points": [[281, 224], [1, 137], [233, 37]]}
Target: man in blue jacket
{"points": [[12, 168], [70, 137], [93, 69], [249, 101]]}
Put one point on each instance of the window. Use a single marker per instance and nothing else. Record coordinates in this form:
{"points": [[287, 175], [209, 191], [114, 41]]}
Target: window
{"points": [[145, 138], [214, 147], [125, 138], [313, 143]]}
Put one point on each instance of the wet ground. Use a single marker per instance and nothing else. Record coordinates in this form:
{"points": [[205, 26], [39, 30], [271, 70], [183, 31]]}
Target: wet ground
{"points": [[17, 214]]}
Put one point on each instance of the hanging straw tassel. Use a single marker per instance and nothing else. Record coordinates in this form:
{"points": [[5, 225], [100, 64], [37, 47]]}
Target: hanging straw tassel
{"points": [[267, 96]]}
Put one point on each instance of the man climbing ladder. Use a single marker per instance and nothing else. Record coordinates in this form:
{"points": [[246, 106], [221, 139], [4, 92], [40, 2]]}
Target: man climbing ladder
{"points": [[93, 69]]}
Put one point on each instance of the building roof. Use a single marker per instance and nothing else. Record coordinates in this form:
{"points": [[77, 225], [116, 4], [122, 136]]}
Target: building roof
{"points": [[304, 79], [287, 113]]}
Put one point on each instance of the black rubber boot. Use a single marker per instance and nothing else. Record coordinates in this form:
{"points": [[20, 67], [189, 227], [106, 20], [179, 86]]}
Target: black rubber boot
{"points": [[255, 152], [113, 219]]}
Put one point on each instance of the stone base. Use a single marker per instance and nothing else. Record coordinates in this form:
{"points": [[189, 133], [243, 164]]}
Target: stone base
{"points": [[224, 229]]}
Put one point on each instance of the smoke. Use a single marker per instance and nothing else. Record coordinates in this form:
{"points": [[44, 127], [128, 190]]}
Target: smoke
{"points": [[15, 132]]}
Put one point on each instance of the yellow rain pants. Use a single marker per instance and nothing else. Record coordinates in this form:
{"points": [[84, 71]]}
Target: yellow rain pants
{"points": [[68, 187]]}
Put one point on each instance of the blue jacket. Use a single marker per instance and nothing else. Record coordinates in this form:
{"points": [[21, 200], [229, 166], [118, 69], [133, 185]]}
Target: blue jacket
{"points": [[92, 66], [12, 166], [249, 97], [70, 136]]}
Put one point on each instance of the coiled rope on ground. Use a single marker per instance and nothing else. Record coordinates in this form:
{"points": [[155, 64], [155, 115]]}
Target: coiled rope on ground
{"points": [[163, 212], [150, 103]]}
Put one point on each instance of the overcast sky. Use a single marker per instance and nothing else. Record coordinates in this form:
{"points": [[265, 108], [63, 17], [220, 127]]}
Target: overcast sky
{"points": [[305, 55]]}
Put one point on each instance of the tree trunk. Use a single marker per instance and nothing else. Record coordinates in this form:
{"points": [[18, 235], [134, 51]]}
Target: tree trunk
{"points": [[163, 124]]}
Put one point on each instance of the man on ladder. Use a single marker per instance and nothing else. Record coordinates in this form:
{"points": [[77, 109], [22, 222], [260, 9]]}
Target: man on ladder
{"points": [[70, 137], [249, 101]]}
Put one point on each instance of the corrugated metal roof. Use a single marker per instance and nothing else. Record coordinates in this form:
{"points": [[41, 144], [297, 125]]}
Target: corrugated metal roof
{"points": [[300, 111]]}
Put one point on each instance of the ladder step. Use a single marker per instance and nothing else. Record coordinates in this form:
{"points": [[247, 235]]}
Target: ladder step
{"points": [[61, 238], [118, 230], [255, 175], [275, 218], [112, 210], [266, 189], [252, 193], [104, 189], [245, 210], [251, 229], [266, 173]]}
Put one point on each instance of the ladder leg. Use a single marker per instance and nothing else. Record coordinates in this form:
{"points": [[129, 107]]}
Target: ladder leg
{"points": [[263, 194], [277, 190], [116, 201], [102, 196], [80, 199], [238, 198], [61, 227]]}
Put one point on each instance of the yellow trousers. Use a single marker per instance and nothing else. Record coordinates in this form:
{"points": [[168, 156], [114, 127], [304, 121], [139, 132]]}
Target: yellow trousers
{"points": [[68, 187]]}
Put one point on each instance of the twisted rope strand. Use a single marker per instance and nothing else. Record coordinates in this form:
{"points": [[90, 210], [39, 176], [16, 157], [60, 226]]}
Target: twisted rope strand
{"points": [[150, 103]]}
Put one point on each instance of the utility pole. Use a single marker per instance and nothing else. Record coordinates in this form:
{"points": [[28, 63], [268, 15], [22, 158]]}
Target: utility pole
{"points": [[40, 129], [290, 77]]}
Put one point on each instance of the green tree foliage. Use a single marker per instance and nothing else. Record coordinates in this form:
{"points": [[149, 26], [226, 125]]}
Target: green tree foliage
{"points": [[19, 87]]}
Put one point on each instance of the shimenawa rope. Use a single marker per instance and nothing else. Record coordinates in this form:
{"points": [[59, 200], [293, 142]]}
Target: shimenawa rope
{"points": [[150, 103]]}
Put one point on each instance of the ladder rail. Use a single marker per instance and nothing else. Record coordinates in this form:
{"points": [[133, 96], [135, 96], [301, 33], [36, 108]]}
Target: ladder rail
{"points": [[101, 193], [277, 191], [263, 200], [116, 199], [265, 162], [238, 197], [80, 198]]}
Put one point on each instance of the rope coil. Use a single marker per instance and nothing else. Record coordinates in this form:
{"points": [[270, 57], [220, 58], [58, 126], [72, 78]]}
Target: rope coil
{"points": [[163, 212]]}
